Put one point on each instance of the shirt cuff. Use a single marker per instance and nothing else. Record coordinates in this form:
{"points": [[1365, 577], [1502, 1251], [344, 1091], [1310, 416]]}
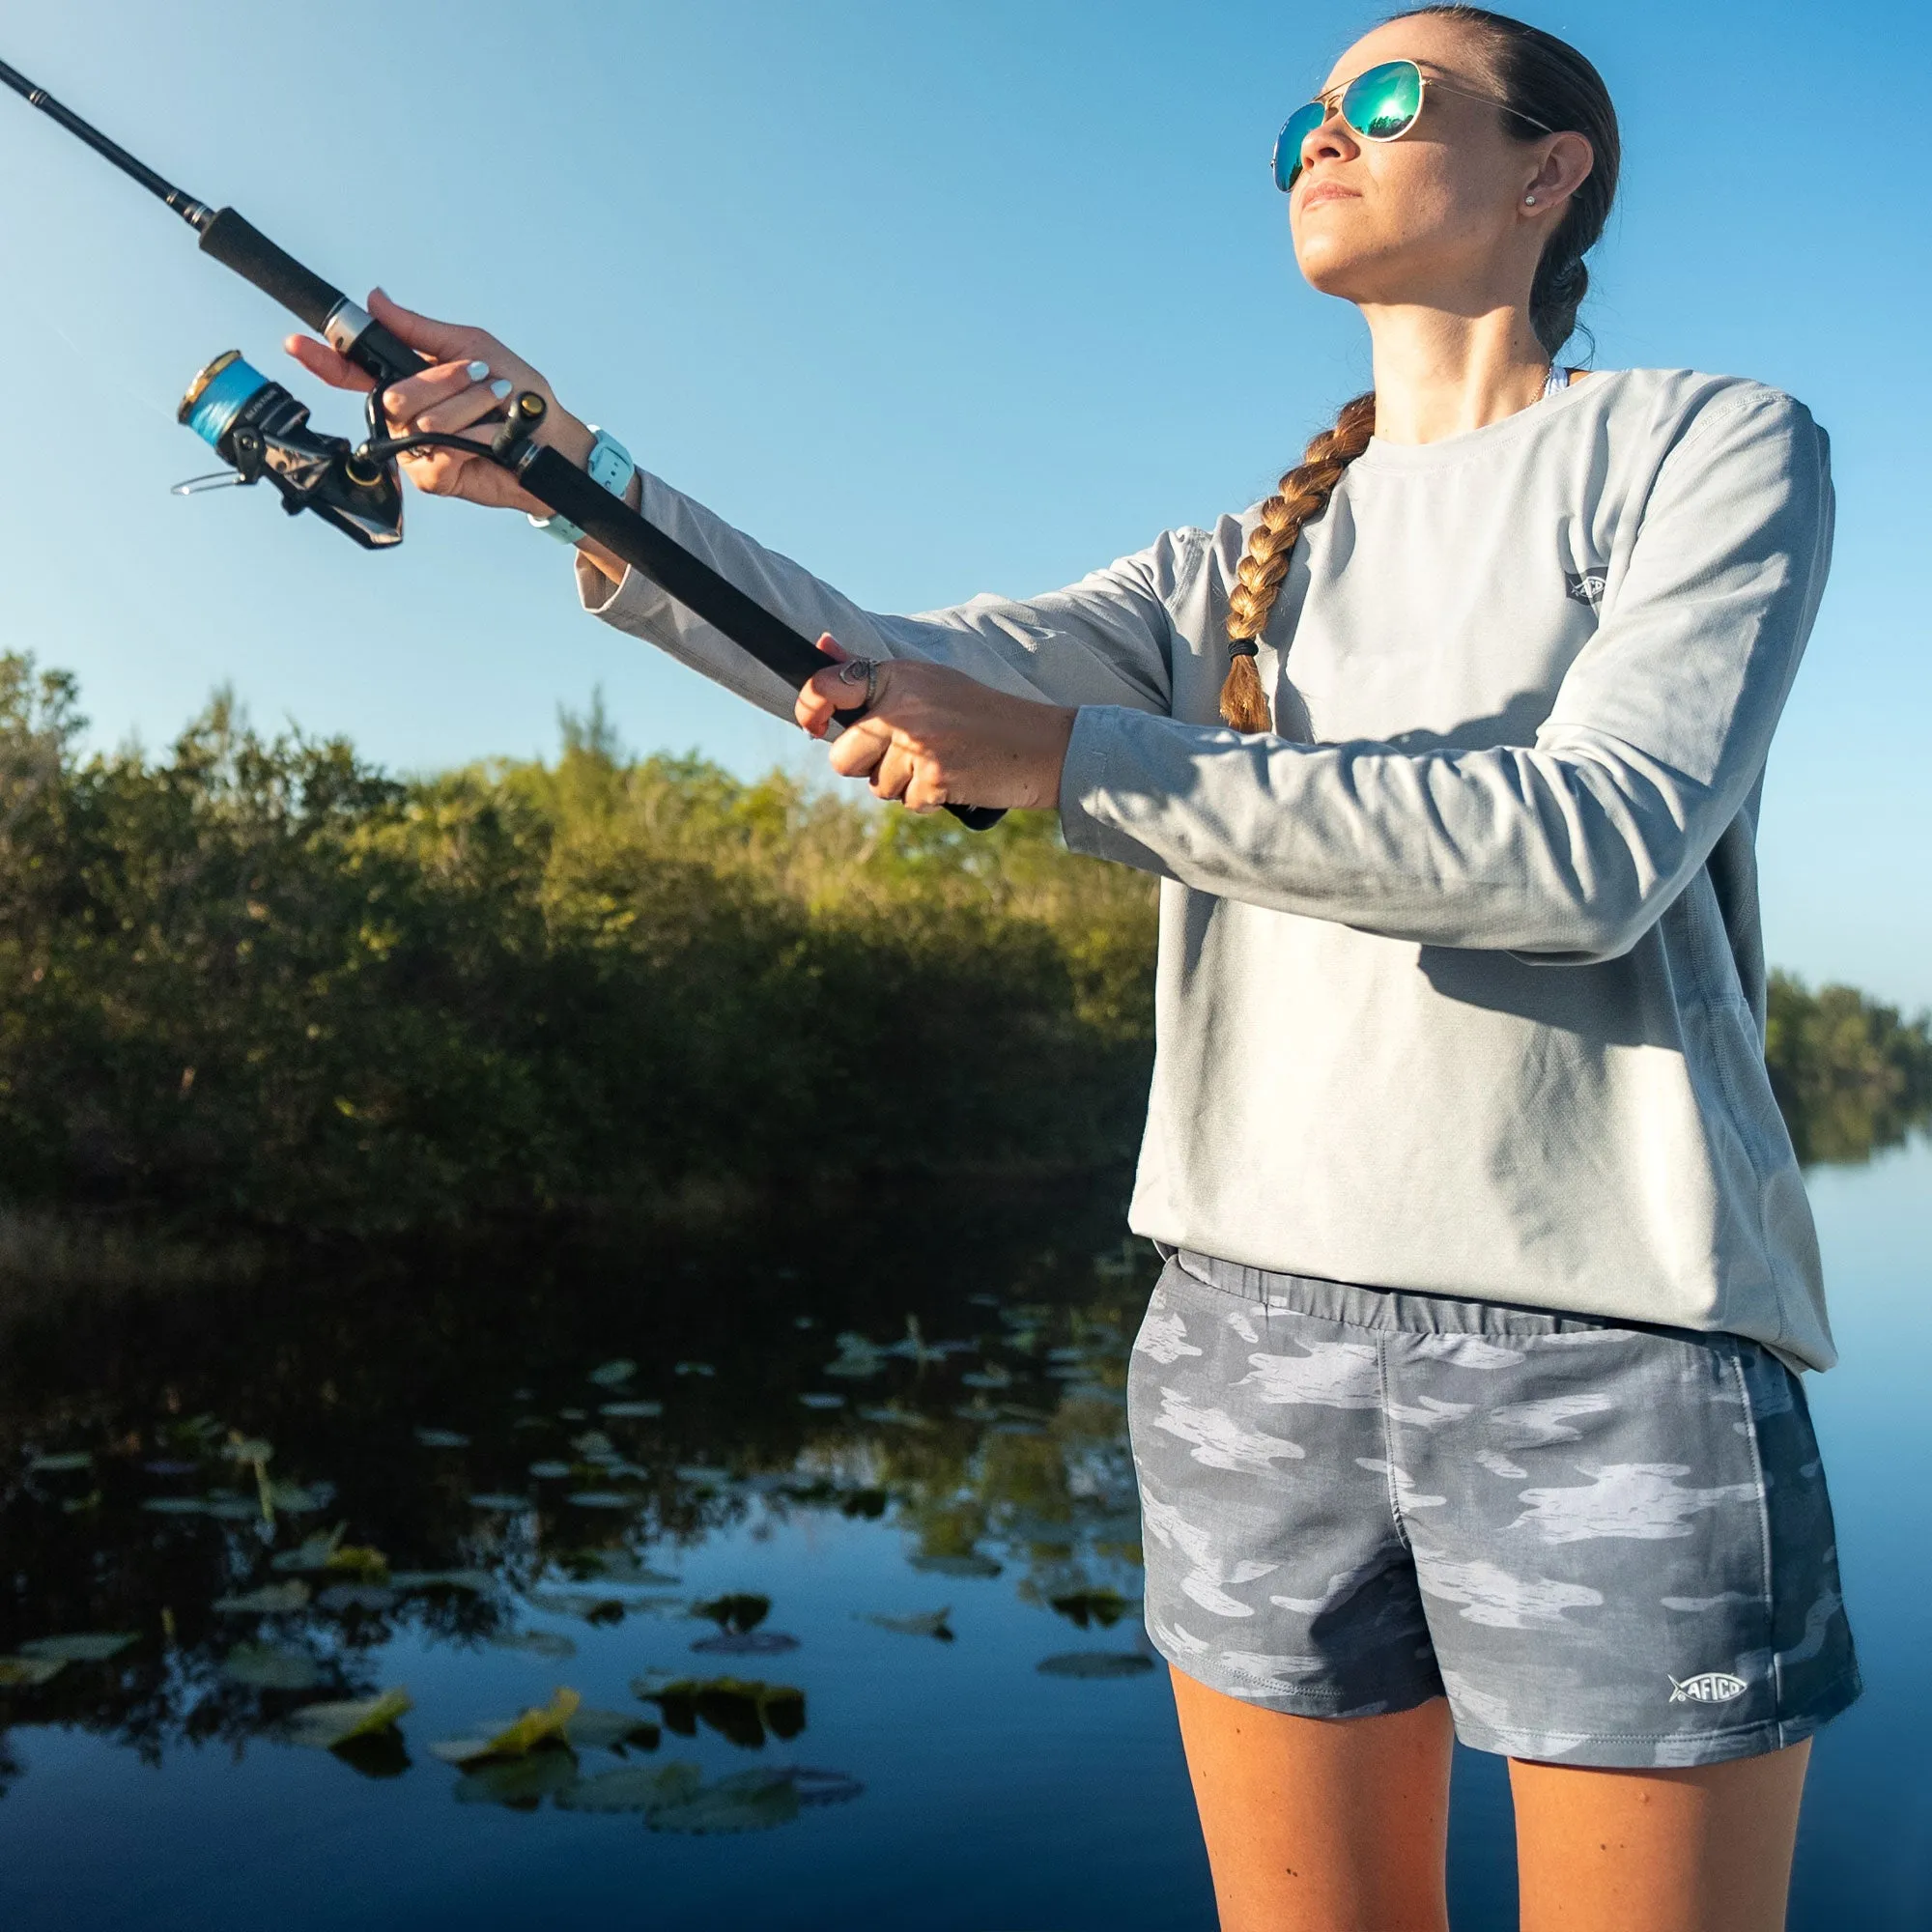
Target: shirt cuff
{"points": [[1098, 757]]}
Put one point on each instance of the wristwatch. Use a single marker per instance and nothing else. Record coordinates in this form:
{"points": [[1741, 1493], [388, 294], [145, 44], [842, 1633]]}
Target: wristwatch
{"points": [[611, 466]]}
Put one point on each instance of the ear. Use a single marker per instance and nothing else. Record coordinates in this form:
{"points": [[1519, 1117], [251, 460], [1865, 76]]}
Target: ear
{"points": [[1566, 163]]}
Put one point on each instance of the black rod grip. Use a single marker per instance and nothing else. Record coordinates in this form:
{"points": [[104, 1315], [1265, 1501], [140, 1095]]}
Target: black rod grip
{"points": [[557, 481], [241, 245]]}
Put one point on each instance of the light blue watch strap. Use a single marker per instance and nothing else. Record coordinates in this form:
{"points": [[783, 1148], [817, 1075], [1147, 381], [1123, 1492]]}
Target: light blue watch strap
{"points": [[611, 466]]}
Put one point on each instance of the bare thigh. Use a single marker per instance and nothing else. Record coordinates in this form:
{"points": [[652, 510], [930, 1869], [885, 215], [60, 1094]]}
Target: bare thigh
{"points": [[1320, 1824], [1340, 1825], [1705, 1850]]}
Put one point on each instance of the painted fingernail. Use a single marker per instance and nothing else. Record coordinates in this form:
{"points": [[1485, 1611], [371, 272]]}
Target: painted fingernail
{"points": [[502, 387], [478, 370]]}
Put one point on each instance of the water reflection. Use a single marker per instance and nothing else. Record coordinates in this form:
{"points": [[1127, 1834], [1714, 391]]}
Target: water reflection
{"points": [[226, 1514]]}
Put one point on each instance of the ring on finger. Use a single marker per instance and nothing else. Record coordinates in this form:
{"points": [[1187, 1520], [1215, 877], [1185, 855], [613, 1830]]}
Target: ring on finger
{"points": [[861, 671]]}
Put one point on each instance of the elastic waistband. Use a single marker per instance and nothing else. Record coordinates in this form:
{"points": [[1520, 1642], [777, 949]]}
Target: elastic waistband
{"points": [[1398, 1312]]}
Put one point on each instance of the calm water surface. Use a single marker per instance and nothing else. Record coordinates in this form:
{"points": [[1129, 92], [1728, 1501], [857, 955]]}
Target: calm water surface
{"points": [[733, 1551]]}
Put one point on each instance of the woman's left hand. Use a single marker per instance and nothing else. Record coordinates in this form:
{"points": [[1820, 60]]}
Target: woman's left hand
{"points": [[934, 736]]}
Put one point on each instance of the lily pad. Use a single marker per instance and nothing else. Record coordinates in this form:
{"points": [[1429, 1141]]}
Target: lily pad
{"points": [[740, 1610], [898, 1418], [271, 1667], [313, 1552], [919, 1623], [234, 1508], [591, 1729], [634, 1788], [67, 1458], [23, 1673], [521, 1783], [613, 1374], [538, 1643], [592, 1608], [330, 1726], [817, 1400], [824, 1787], [742, 1709], [175, 1505], [630, 1411], [269, 1599], [78, 1647], [541, 1725], [602, 1499], [359, 1560], [694, 1369], [619, 1566], [969, 1564], [748, 1800], [478, 1582], [1097, 1664], [443, 1438], [499, 1499], [1086, 1608], [703, 1474], [574, 1414], [299, 1499], [373, 1598], [549, 1472], [746, 1643]]}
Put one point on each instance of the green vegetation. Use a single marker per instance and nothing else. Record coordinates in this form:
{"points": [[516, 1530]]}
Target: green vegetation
{"points": [[256, 984], [1850, 1075], [257, 980]]}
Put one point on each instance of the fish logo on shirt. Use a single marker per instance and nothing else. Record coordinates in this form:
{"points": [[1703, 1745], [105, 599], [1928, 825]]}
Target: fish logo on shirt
{"points": [[1712, 1687], [1586, 586]]}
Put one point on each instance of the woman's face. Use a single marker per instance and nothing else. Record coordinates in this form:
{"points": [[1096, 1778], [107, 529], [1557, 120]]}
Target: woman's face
{"points": [[1438, 216]]}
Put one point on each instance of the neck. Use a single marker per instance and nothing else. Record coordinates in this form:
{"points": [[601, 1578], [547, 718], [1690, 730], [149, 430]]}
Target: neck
{"points": [[1439, 373]]}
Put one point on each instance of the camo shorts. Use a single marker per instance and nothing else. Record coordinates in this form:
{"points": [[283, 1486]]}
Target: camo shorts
{"points": [[1606, 1544]]}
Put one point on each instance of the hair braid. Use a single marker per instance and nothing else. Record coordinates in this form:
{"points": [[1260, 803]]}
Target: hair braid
{"points": [[1303, 494]]}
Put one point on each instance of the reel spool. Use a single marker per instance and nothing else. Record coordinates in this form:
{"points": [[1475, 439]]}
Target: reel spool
{"points": [[259, 429]]}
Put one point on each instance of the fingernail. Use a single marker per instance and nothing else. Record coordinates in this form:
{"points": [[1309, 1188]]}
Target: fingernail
{"points": [[502, 387], [478, 370], [392, 400]]}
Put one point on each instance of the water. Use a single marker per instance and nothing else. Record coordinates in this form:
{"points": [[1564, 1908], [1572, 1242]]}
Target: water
{"points": [[933, 1784]]}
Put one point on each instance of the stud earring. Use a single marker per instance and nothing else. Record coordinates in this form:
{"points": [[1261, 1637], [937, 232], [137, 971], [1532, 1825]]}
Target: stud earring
{"points": [[1529, 201]]}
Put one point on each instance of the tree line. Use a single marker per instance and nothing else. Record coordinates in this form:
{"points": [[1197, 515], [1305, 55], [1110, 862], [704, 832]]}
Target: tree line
{"points": [[257, 982]]}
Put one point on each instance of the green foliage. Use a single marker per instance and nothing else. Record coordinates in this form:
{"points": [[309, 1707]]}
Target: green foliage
{"points": [[257, 978], [259, 983], [1850, 1074]]}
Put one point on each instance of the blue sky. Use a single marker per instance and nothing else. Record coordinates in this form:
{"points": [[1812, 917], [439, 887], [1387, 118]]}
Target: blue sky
{"points": [[938, 298]]}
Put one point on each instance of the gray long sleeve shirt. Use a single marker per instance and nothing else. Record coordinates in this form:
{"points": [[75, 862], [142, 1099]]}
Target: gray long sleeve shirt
{"points": [[1461, 986]]}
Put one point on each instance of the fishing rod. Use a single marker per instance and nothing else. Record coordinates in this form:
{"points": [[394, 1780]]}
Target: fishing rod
{"points": [[257, 427]]}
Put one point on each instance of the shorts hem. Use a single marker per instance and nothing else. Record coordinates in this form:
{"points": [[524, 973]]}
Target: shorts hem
{"points": [[1621, 1751], [1308, 1704]]}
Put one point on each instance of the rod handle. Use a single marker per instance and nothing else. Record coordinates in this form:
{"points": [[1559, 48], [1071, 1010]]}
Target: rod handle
{"points": [[239, 244]]}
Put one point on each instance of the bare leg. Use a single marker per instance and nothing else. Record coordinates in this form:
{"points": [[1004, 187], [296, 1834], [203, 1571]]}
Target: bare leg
{"points": [[1707, 1850], [1320, 1824]]}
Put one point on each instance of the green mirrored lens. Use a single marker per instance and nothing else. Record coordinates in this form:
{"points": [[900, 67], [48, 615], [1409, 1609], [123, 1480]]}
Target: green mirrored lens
{"points": [[1301, 124], [1384, 101]]}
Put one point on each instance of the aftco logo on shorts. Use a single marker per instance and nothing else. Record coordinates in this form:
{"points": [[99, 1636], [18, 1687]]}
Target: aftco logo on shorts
{"points": [[1712, 1687]]}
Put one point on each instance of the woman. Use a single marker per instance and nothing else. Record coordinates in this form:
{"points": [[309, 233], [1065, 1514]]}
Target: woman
{"points": [[1465, 1401]]}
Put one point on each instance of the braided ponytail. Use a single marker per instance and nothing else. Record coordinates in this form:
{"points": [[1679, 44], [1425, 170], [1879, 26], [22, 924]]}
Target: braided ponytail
{"points": [[1303, 496]]}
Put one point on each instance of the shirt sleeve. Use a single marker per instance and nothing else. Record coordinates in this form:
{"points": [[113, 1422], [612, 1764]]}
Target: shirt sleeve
{"points": [[1570, 847], [1106, 641]]}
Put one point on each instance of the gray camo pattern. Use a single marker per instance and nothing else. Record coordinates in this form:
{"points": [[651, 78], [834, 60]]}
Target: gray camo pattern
{"points": [[1607, 1545]]}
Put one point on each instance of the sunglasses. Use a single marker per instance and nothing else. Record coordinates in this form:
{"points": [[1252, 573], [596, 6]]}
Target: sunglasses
{"points": [[1382, 103]]}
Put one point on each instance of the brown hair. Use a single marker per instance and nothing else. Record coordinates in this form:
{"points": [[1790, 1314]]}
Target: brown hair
{"points": [[1542, 83]]}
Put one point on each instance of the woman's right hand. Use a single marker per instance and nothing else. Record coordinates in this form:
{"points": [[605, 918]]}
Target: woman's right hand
{"points": [[469, 378]]}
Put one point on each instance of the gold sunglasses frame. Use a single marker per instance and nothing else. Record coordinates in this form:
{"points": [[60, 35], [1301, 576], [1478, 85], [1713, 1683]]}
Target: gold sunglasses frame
{"points": [[1329, 100]]}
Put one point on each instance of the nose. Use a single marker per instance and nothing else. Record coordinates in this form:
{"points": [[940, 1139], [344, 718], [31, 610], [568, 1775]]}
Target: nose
{"points": [[1333, 140]]}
